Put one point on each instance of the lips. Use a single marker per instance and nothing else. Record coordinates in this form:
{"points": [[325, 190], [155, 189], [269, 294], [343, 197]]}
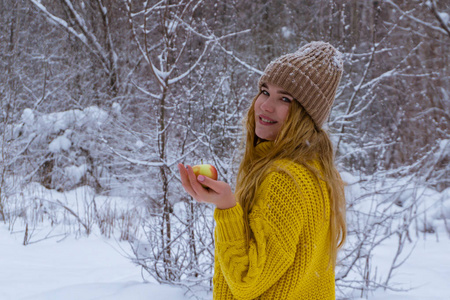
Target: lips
{"points": [[267, 118], [263, 120]]}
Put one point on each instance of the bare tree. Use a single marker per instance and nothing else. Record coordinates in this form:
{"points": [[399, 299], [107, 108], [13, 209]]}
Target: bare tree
{"points": [[90, 24]]}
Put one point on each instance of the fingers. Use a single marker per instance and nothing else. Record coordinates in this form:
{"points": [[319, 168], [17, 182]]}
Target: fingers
{"points": [[185, 181], [208, 190], [196, 186], [210, 183]]}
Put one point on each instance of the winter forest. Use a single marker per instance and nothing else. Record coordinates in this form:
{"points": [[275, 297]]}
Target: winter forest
{"points": [[101, 99]]}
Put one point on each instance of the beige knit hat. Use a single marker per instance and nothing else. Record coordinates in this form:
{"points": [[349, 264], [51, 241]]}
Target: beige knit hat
{"points": [[311, 75]]}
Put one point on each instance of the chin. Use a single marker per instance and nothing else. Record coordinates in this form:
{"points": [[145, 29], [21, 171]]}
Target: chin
{"points": [[264, 134], [264, 137]]}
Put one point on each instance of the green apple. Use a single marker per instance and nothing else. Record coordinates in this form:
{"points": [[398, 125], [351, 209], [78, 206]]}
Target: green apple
{"points": [[205, 170]]}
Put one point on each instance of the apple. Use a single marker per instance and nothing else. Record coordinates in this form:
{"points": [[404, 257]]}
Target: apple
{"points": [[205, 170]]}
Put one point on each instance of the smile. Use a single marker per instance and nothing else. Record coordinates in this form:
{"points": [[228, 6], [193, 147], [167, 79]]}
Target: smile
{"points": [[264, 121]]}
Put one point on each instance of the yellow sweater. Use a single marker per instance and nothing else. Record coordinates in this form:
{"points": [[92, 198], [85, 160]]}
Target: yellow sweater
{"points": [[288, 257]]}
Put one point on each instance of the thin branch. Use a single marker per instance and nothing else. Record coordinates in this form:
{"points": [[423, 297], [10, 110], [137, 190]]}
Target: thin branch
{"points": [[411, 17]]}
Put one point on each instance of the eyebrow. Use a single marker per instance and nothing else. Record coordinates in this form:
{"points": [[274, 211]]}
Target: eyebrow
{"points": [[279, 92]]}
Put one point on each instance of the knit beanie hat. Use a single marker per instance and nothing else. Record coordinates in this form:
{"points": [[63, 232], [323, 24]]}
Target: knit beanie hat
{"points": [[311, 75]]}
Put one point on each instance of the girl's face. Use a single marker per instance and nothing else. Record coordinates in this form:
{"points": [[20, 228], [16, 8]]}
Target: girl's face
{"points": [[271, 111]]}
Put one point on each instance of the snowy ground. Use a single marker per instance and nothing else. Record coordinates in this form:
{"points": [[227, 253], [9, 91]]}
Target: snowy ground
{"points": [[95, 268], [426, 273], [73, 269]]}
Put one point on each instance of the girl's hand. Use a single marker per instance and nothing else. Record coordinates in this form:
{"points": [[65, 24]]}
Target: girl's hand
{"points": [[219, 192]]}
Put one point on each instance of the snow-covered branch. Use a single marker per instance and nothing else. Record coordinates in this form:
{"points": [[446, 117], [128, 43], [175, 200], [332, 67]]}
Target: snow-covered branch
{"points": [[132, 160], [443, 18], [86, 32], [85, 36], [143, 49], [415, 19]]}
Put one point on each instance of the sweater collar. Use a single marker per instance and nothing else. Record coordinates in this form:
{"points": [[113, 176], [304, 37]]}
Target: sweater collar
{"points": [[263, 148]]}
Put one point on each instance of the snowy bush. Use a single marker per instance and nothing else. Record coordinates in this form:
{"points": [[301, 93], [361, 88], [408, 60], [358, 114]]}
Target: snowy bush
{"points": [[63, 148], [185, 259], [382, 208]]}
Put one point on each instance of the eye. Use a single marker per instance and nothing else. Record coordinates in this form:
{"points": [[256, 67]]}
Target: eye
{"points": [[265, 92], [287, 100]]}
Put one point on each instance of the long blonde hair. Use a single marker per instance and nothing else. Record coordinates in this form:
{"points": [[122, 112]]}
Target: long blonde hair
{"points": [[299, 140]]}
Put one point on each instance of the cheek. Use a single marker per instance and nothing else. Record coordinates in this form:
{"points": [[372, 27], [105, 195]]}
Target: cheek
{"points": [[284, 113], [257, 103]]}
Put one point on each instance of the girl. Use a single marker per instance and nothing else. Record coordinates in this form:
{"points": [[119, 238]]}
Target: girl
{"points": [[277, 237]]}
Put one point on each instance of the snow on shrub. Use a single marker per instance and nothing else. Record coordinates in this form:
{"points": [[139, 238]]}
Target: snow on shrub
{"points": [[74, 173], [64, 145], [59, 144]]}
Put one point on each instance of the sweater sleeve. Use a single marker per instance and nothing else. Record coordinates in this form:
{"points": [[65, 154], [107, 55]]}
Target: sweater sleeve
{"points": [[276, 222]]}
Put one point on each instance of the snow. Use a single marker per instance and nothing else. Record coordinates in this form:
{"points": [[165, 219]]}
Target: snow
{"points": [[73, 269], [445, 17], [57, 122], [59, 143], [116, 108], [94, 267], [171, 26], [60, 121], [75, 173], [226, 90], [27, 116], [97, 268], [58, 21], [286, 32], [139, 144], [426, 273], [317, 47]]}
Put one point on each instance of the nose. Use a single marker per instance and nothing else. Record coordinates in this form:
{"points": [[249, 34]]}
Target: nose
{"points": [[268, 105]]}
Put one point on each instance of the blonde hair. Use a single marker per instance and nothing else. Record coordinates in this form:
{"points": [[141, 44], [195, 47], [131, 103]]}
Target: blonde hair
{"points": [[300, 141]]}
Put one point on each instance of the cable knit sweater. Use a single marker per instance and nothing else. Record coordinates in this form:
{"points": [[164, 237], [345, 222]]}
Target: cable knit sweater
{"points": [[288, 256]]}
